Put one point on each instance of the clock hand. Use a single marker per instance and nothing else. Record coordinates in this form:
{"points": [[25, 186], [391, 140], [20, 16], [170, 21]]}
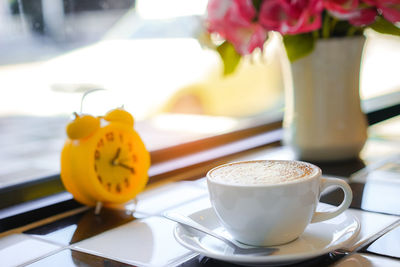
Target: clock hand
{"points": [[114, 160], [126, 167]]}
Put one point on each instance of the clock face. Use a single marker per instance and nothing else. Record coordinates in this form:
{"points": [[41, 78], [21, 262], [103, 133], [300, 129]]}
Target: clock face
{"points": [[115, 161]]}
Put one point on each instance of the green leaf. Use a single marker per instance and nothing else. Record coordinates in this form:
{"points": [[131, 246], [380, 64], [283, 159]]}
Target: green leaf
{"points": [[229, 56], [381, 25], [298, 46]]}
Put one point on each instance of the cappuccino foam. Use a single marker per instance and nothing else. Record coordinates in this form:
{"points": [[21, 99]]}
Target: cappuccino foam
{"points": [[262, 172]]}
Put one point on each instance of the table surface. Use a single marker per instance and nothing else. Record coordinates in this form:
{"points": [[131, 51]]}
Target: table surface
{"points": [[140, 237]]}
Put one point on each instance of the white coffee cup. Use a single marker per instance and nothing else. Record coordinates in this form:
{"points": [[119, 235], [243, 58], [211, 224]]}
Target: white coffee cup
{"points": [[275, 212]]}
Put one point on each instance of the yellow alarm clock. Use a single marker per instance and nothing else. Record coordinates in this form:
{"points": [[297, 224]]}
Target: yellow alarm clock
{"points": [[104, 159]]}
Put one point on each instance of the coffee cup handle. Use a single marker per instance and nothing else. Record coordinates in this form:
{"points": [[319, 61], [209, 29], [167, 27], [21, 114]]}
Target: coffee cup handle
{"points": [[348, 196]]}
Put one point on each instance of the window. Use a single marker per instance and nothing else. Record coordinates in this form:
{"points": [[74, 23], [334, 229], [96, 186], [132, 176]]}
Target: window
{"points": [[145, 58]]}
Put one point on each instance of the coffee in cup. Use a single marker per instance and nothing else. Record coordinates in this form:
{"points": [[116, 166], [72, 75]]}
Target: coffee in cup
{"points": [[262, 172], [270, 202]]}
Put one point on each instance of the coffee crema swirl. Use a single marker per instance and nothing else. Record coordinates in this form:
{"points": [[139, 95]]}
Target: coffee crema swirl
{"points": [[262, 172]]}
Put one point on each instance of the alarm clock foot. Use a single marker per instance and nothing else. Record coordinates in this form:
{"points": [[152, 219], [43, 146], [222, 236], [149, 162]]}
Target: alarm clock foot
{"points": [[131, 206], [98, 207]]}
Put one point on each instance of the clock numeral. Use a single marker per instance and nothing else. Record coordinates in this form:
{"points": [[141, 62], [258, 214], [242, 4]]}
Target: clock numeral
{"points": [[100, 179], [121, 137], [118, 188], [134, 157], [109, 186], [126, 181], [97, 154], [130, 147], [100, 143], [95, 167], [110, 136]]}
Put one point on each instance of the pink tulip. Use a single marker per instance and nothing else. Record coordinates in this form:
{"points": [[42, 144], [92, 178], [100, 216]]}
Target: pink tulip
{"points": [[390, 9], [343, 9], [363, 16], [233, 20], [370, 2], [341, 6], [238, 21], [248, 39], [352, 10], [291, 16], [230, 11]]}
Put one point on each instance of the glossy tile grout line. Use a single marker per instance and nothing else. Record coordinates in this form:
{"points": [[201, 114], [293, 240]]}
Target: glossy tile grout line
{"points": [[361, 244], [160, 212], [183, 259], [33, 249], [42, 257], [38, 238], [387, 245], [154, 201]]}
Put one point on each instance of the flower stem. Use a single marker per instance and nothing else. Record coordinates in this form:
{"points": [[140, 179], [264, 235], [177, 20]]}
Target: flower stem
{"points": [[333, 25], [315, 35], [351, 31], [326, 26]]}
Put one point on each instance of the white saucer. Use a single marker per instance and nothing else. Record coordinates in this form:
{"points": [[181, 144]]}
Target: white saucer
{"points": [[318, 239]]}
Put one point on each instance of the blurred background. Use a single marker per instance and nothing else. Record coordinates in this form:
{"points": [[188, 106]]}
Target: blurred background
{"points": [[151, 56]]}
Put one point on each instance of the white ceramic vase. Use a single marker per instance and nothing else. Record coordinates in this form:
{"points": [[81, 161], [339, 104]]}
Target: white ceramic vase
{"points": [[323, 119]]}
